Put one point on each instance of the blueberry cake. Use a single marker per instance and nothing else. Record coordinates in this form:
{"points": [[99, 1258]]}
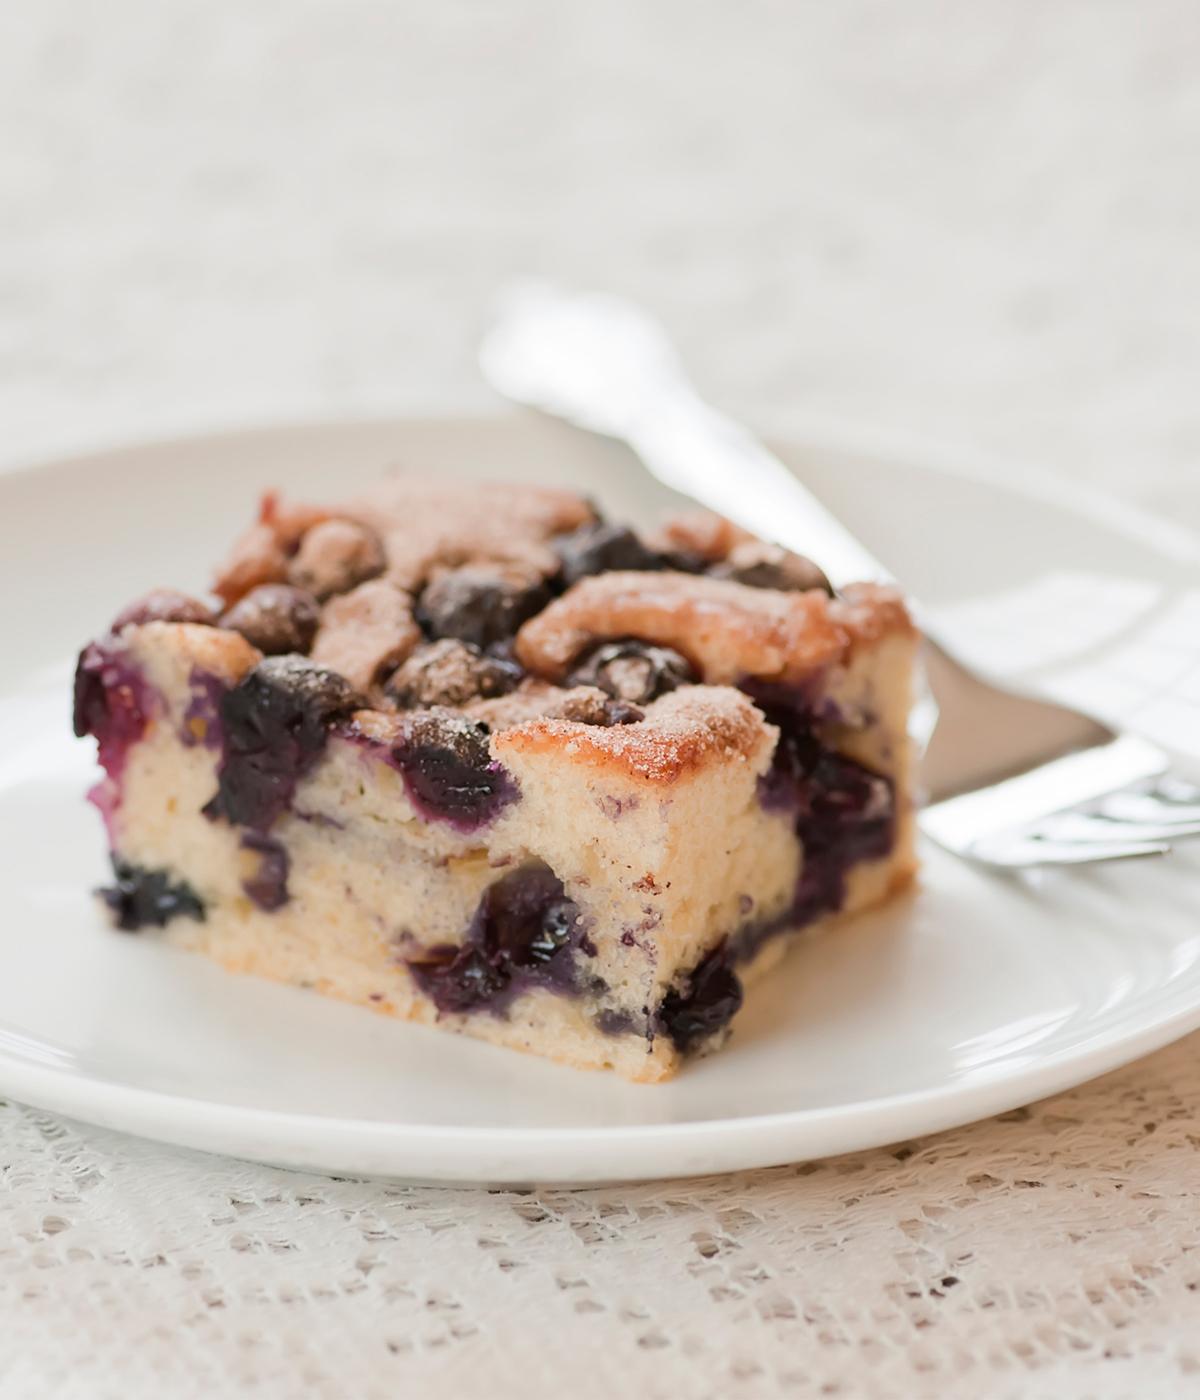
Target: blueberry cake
{"points": [[473, 756]]}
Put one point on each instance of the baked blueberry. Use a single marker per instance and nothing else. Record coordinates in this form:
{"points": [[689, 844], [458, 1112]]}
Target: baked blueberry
{"points": [[275, 722], [479, 605], [448, 772], [451, 672], [525, 917], [276, 618], [265, 876], [141, 897], [709, 1000], [458, 978], [844, 812], [588, 704], [521, 925], [633, 671], [760, 565], [600, 549], [112, 701]]}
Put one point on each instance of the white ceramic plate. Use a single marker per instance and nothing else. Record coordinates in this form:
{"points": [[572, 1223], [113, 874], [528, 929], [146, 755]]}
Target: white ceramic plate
{"points": [[974, 995]]}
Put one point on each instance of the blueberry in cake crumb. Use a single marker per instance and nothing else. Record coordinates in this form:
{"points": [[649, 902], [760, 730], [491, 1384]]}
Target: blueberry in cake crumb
{"points": [[477, 759], [148, 897], [266, 871], [522, 930], [448, 770], [618, 1022], [458, 978], [276, 722], [111, 703], [711, 997], [844, 812]]}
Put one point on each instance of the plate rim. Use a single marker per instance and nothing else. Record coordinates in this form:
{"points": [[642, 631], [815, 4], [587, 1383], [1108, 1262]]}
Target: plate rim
{"points": [[800, 431], [575, 1156]]}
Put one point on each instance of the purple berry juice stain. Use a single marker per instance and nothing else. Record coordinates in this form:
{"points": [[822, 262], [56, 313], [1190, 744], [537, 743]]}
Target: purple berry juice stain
{"points": [[113, 702]]}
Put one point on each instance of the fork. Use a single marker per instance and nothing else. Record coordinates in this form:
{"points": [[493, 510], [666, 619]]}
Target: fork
{"points": [[603, 364]]}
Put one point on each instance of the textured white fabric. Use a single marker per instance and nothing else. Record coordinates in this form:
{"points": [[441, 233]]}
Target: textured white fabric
{"points": [[975, 222]]}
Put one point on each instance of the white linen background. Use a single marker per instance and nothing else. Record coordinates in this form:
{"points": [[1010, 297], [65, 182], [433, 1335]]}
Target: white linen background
{"points": [[973, 223]]}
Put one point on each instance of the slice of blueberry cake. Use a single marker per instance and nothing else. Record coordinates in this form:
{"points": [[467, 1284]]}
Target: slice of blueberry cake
{"points": [[470, 755]]}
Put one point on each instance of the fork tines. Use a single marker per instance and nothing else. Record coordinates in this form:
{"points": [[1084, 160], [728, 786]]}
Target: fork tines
{"points": [[1106, 803]]}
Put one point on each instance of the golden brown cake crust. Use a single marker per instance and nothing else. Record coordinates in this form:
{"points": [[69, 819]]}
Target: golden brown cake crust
{"points": [[218, 651], [868, 612], [727, 630], [680, 733]]}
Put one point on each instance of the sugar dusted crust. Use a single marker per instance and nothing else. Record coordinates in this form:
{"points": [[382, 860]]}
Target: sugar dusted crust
{"points": [[420, 524], [727, 630], [682, 732], [536, 780]]}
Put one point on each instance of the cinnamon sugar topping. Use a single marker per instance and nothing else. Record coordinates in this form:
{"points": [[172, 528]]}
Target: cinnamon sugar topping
{"points": [[424, 523], [727, 630], [335, 556], [261, 553], [257, 557], [366, 633], [422, 531]]}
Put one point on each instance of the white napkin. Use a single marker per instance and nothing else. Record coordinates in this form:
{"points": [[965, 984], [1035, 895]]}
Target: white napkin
{"points": [[1123, 650]]}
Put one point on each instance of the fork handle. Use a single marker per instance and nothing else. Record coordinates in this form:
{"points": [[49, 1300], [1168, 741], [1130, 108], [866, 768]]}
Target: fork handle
{"points": [[698, 451]]}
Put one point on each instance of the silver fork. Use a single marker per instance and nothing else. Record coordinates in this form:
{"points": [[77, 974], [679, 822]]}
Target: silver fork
{"points": [[603, 364]]}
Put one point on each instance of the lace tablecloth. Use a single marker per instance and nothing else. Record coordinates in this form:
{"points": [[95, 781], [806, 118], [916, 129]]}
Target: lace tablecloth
{"points": [[1052, 1252], [973, 222]]}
